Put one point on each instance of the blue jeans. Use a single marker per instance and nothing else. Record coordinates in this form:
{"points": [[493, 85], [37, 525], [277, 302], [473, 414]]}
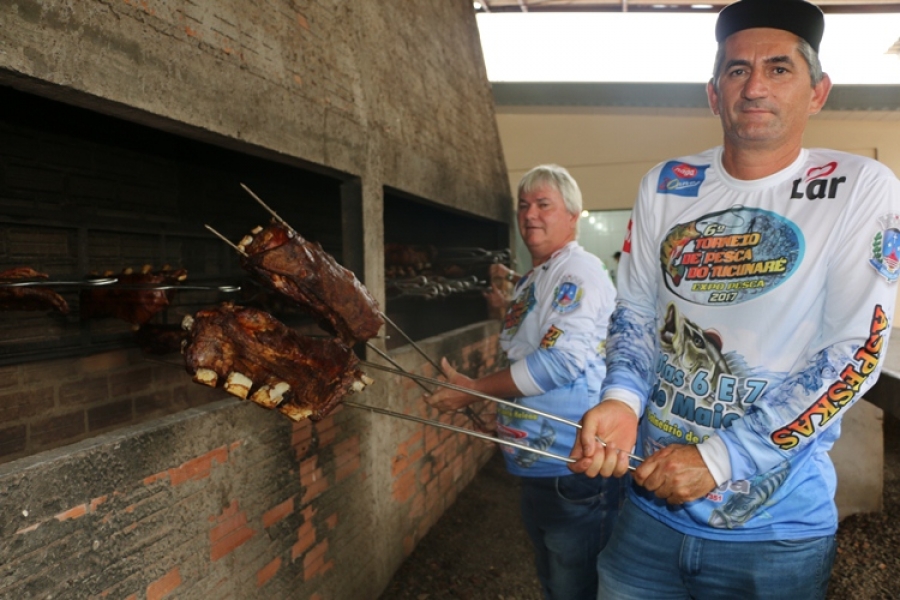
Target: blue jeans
{"points": [[646, 559], [569, 519]]}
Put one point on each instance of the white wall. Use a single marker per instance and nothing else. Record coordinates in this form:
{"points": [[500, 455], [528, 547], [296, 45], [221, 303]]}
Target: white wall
{"points": [[609, 151]]}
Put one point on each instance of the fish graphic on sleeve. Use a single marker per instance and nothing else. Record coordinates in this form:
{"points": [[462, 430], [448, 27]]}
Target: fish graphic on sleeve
{"points": [[744, 505], [693, 348]]}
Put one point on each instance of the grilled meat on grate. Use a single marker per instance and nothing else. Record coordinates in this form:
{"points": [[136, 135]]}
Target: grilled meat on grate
{"points": [[29, 297], [304, 272], [254, 356]]}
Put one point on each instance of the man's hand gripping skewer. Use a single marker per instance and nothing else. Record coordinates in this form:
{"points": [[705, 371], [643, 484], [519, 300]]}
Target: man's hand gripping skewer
{"points": [[615, 424], [676, 473]]}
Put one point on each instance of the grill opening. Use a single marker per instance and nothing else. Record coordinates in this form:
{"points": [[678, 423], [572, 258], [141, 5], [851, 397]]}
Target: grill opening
{"points": [[436, 265], [83, 192]]}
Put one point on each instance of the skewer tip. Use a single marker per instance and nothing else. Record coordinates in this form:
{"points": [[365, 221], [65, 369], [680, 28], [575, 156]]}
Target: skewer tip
{"points": [[269, 209], [226, 240]]}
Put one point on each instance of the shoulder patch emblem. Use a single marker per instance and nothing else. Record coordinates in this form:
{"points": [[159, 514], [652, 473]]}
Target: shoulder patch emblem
{"points": [[681, 179], [551, 337], [567, 297], [885, 247]]}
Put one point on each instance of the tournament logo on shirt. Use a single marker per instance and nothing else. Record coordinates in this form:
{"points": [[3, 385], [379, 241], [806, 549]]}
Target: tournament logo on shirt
{"points": [[551, 337], [885, 245], [518, 310], [567, 297], [681, 179], [730, 256]]}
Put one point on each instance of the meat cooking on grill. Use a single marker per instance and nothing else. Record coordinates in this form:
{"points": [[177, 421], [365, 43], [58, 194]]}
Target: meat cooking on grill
{"points": [[403, 260], [252, 355], [29, 297], [127, 300], [304, 272]]}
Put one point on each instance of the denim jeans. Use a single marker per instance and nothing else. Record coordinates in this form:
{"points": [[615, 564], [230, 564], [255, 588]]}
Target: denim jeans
{"points": [[569, 519], [647, 559]]}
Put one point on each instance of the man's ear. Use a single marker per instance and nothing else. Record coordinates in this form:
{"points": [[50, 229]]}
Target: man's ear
{"points": [[712, 97], [820, 94]]}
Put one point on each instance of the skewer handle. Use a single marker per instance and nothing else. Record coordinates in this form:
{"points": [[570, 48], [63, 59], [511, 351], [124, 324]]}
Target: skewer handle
{"points": [[471, 392]]}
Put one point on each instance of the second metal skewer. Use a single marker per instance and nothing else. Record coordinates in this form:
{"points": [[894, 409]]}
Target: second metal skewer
{"points": [[492, 399]]}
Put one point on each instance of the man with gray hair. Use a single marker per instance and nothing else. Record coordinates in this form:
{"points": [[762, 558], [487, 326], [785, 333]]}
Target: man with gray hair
{"points": [[756, 293], [553, 333]]}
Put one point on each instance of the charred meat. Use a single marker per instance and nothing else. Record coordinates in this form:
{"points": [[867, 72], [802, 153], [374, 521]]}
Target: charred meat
{"points": [[30, 298], [304, 272], [133, 298], [254, 356]]}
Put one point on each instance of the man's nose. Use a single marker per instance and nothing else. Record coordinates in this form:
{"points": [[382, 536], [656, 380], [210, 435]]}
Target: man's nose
{"points": [[756, 86]]}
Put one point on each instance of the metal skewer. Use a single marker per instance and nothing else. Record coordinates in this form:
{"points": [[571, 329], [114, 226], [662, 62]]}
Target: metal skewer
{"points": [[471, 392], [271, 212], [226, 240], [387, 357], [463, 430], [490, 398], [413, 344], [473, 416], [50, 283], [151, 287]]}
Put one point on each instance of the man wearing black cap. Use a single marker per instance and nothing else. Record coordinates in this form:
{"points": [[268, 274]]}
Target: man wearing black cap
{"points": [[756, 293]]}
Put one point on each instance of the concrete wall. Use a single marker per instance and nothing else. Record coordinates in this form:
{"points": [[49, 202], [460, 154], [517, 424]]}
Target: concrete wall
{"points": [[227, 500]]}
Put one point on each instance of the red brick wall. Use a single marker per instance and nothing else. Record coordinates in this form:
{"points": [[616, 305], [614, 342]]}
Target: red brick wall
{"points": [[230, 501], [50, 404]]}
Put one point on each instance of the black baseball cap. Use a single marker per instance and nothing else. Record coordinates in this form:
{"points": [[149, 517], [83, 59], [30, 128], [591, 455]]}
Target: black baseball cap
{"points": [[797, 16]]}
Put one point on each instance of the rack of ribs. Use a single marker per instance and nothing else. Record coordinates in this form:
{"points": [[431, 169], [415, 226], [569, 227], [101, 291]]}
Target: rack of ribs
{"points": [[301, 270], [254, 356], [15, 296]]}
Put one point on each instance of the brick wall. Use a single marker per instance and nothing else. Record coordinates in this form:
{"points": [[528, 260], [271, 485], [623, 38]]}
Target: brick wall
{"points": [[49, 404], [230, 501]]}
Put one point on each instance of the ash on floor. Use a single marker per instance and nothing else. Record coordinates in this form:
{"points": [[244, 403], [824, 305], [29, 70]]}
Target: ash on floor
{"points": [[479, 551]]}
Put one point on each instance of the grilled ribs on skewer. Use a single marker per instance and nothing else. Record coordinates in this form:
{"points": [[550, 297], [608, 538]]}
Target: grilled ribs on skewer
{"points": [[126, 301], [29, 297], [304, 272], [252, 355]]}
